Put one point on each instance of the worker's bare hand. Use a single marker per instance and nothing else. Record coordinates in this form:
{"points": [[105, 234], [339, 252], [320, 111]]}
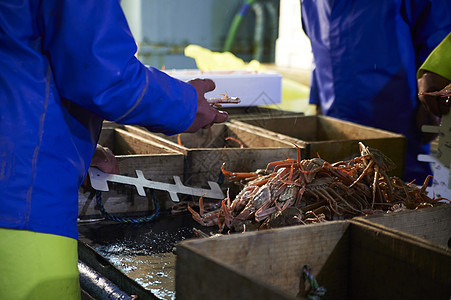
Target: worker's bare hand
{"points": [[105, 160], [206, 115], [431, 82]]}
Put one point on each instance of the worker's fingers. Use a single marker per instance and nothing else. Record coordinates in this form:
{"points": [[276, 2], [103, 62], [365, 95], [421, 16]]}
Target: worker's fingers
{"points": [[221, 116], [105, 160], [203, 85]]}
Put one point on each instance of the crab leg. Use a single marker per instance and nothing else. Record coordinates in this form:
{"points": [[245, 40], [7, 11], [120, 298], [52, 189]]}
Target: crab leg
{"points": [[238, 176]]}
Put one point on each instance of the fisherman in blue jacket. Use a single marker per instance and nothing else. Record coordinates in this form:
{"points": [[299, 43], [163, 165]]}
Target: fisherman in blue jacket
{"points": [[366, 54], [65, 66]]}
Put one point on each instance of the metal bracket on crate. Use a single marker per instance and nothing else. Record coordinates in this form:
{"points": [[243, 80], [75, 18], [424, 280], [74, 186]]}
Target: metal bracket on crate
{"points": [[99, 181]]}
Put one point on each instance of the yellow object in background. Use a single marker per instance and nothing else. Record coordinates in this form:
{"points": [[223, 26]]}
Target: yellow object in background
{"points": [[294, 94], [207, 60]]}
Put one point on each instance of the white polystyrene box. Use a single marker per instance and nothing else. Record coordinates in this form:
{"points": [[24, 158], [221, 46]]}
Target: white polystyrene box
{"points": [[254, 88]]}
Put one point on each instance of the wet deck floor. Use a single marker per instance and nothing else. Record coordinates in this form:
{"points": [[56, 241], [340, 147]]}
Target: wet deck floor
{"points": [[144, 252]]}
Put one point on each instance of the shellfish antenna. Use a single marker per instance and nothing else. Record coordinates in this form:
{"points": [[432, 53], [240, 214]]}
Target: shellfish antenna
{"points": [[227, 174]]}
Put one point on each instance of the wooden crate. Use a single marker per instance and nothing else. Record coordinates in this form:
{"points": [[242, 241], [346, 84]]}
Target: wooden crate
{"points": [[205, 151], [432, 224], [158, 162], [257, 112], [332, 139], [351, 259]]}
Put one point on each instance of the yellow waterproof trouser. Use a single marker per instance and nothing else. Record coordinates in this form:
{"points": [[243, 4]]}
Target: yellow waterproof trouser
{"points": [[37, 266]]}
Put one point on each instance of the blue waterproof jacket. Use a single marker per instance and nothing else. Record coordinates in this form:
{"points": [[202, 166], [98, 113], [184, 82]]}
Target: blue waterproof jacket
{"points": [[65, 66], [366, 54]]}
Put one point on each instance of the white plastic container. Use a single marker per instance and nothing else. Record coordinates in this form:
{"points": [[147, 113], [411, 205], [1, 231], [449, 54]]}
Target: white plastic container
{"points": [[253, 88]]}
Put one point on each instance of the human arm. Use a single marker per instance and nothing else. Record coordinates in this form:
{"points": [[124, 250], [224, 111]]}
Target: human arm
{"points": [[429, 22], [92, 57]]}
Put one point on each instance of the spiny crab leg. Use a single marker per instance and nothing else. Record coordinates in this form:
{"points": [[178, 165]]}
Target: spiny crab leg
{"points": [[264, 211], [229, 138], [281, 164], [208, 219], [365, 172], [298, 151], [238, 176], [205, 221]]}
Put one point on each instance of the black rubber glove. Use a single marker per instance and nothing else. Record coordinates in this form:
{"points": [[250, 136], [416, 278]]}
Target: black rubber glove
{"points": [[206, 115]]}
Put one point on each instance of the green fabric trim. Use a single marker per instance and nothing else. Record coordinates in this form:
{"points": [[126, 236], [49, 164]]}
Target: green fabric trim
{"points": [[38, 266], [439, 61]]}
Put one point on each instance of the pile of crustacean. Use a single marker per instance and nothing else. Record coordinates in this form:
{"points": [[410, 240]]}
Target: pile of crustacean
{"points": [[295, 191]]}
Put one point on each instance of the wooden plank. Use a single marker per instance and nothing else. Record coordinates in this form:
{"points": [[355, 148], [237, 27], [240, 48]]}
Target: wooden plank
{"points": [[160, 167], [389, 264], [257, 112], [354, 259], [209, 280], [134, 144], [349, 149], [159, 138], [432, 224], [272, 258], [255, 139], [301, 127], [200, 285]]}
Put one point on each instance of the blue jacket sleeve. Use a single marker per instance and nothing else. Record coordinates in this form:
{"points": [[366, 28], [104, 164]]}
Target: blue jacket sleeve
{"points": [[92, 56], [430, 21]]}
